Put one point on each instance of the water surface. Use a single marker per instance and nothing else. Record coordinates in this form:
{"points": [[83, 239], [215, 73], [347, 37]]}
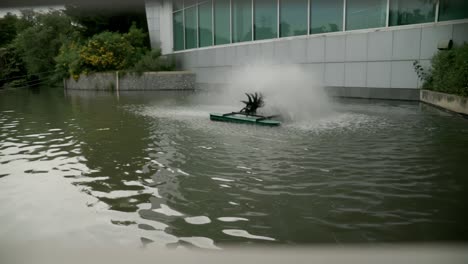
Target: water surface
{"points": [[152, 169]]}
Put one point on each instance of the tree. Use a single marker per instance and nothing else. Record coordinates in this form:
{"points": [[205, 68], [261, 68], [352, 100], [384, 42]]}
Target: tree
{"points": [[7, 28], [40, 43], [13, 70], [106, 51]]}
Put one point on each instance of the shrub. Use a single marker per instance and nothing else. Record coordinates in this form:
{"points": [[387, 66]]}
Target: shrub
{"points": [[106, 51], [153, 61], [449, 72], [12, 69], [68, 62]]}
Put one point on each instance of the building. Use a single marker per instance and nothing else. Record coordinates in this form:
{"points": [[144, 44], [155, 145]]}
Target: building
{"points": [[358, 48]]}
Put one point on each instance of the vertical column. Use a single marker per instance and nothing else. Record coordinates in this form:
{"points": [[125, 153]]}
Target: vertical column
{"points": [[198, 25], [278, 19], [308, 17], [183, 22], [253, 21], [344, 15], [387, 20], [212, 23], [159, 18], [230, 20]]}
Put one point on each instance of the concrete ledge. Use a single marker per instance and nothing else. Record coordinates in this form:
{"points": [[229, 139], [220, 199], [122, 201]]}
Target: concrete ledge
{"points": [[407, 94], [150, 81], [454, 103]]}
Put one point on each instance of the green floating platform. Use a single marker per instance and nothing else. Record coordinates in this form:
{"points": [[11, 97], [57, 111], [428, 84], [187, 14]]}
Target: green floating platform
{"points": [[244, 119]]}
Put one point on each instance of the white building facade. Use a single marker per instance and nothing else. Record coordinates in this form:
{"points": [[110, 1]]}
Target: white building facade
{"points": [[356, 48]]}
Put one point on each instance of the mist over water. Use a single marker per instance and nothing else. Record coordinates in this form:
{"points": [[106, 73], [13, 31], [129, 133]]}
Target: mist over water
{"points": [[288, 91]]}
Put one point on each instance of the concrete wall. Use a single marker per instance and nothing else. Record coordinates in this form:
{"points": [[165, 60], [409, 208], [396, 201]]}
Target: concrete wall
{"points": [[376, 63], [133, 82], [450, 102], [159, 17]]}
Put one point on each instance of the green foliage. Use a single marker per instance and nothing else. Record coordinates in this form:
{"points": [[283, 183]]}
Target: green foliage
{"points": [[449, 73], [27, 19], [422, 74], [40, 43], [12, 67], [68, 61], [7, 29], [153, 61], [34, 45], [13, 70], [106, 51], [137, 38]]}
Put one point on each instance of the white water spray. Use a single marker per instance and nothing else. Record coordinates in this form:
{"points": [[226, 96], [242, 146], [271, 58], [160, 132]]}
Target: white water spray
{"points": [[288, 90]]}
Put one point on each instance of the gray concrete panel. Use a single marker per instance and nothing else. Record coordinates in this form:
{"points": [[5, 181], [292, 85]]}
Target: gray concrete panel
{"points": [[267, 52], [316, 49], [218, 75], [156, 23], [205, 57], [406, 44], [356, 47], [334, 74], [189, 60], [298, 50], [460, 33], [202, 75], [355, 74], [403, 75], [335, 48], [282, 51], [253, 52], [241, 55], [431, 37], [316, 70], [380, 45], [379, 74], [229, 55], [220, 57]]}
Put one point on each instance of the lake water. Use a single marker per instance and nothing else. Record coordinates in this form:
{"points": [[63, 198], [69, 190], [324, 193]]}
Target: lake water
{"points": [[151, 169]]}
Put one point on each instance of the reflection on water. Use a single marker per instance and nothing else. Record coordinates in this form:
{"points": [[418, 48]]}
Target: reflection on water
{"points": [[151, 169]]}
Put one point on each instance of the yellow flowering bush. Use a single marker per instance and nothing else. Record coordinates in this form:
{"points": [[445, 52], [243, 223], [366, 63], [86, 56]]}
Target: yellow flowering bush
{"points": [[106, 51]]}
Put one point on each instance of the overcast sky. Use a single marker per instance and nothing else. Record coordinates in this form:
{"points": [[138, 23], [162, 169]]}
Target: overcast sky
{"points": [[4, 11]]}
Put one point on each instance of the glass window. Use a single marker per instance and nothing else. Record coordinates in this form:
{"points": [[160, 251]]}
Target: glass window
{"points": [[241, 20], [178, 29], [266, 19], [405, 12], [326, 16], [190, 27], [453, 9], [189, 3], [177, 5], [222, 22], [293, 17], [365, 14], [205, 18]]}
